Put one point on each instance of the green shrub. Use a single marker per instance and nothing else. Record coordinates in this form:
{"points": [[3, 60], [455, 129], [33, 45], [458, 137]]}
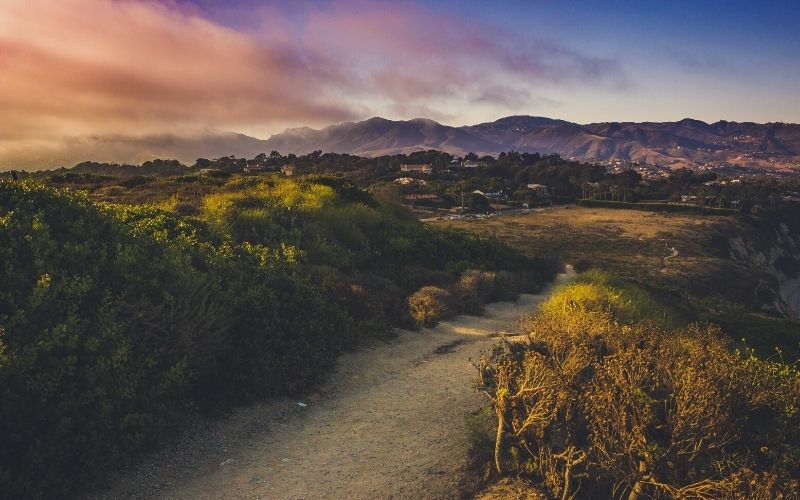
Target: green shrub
{"points": [[118, 322], [474, 289], [77, 368], [582, 265], [136, 180], [480, 433], [431, 304], [505, 286]]}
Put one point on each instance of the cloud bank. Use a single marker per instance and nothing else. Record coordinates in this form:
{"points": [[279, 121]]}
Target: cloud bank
{"points": [[76, 68]]}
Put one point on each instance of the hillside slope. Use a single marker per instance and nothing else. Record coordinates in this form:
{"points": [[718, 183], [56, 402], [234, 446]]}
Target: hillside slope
{"points": [[684, 143], [390, 424]]}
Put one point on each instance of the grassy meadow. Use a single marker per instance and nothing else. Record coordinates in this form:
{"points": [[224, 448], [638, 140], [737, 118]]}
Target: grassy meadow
{"points": [[701, 283]]}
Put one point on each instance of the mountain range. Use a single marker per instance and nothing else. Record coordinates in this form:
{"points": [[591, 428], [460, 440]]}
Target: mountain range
{"points": [[684, 143]]}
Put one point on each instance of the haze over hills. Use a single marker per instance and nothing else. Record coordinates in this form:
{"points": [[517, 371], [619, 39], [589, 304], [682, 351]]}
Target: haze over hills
{"points": [[687, 142], [684, 143], [132, 150]]}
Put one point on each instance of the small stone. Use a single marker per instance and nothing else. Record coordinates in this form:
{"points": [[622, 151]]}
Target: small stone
{"points": [[226, 462]]}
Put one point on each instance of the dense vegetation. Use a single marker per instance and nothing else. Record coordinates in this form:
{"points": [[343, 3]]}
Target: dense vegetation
{"points": [[164, 290], [469, 294], [119, 321], [612, 395], [507, 177]]}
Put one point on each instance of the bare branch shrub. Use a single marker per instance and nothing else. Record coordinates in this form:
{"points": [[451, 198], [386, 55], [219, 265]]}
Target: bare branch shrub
{"points": [[430, 304], [592, 406]]}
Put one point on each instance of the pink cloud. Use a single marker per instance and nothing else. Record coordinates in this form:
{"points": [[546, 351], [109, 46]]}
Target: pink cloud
{"points": [[138, 67], [82, 66], [408, 51]]}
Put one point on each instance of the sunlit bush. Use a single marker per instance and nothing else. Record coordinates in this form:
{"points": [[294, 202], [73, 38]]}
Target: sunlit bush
{"points": [[431, 304], [476, 288], [117, 319], [599, 402], [117, 322]]}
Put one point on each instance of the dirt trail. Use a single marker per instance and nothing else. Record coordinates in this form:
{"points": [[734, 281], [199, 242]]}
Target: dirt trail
{"points": [[672, 254], [389, 424]]}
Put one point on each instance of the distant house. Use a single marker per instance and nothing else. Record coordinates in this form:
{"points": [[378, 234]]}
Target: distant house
{"points": [[496, 196], [429, 200], [253, 168], [420, 168], [539, 194], [287, 170], [472, 164], [405, 181], [539, 189]]}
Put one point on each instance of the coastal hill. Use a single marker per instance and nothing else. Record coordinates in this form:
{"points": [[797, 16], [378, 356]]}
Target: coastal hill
{"points": [[684, 143], [687, 142]]}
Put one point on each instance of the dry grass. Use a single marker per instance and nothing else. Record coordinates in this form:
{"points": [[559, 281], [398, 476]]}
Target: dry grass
{"points": [[703, 283], [619, 240], [597, 402]]}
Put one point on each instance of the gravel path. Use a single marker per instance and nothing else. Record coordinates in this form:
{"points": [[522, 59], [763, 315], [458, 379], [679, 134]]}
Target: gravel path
{"points": [[389, 424]]}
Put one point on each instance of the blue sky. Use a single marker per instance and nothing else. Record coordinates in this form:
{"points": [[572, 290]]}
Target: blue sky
{"points": [[706, 59], [711, 60]]}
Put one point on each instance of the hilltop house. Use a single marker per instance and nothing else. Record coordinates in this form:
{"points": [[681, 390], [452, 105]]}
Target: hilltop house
{"points": [[539, 194], [421, 168], [539, 189], [405, 181], [492, 196], [253, 167], [472, 164], [428, 200]]}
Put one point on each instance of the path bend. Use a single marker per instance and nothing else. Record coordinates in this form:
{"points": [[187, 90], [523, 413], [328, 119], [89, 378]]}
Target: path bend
{"points": [[388, 424]]}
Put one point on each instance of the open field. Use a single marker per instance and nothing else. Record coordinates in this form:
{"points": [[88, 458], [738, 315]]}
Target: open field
{"points": [[630, 243], [701, 281]]}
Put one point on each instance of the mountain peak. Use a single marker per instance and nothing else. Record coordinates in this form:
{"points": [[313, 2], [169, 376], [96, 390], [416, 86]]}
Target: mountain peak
{"points": [[695, 141], [693, 122], [687, 142], [527, 120], [376, 119]]}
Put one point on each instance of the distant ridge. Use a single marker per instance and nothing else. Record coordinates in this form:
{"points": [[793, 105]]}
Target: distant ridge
{"points": [[686, 142]]}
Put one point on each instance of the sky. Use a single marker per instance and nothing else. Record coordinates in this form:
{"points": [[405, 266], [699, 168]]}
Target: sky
{"points": [[97, 68]]}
